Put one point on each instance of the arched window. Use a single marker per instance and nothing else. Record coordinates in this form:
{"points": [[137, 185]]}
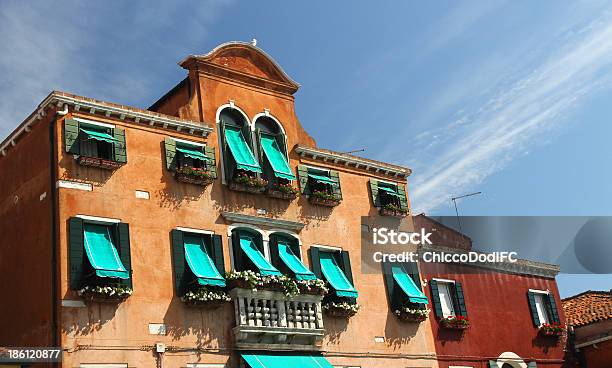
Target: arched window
{"points": [[286, 256], [249, 252], [273, 155], [237, 146]]}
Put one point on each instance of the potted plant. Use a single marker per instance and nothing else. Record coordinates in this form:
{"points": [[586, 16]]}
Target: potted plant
{"points": [[407, 314], [313, 287], [243, 279], [193, 175], [551, 329], [455, 322], [392, 209], [323, 198], [204, 297], [101, 163], [282, 191], [105, 293], [244, 182], [340, 308]]}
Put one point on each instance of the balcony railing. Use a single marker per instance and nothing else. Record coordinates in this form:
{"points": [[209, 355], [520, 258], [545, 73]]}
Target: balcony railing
{"points": [[271, 320]]}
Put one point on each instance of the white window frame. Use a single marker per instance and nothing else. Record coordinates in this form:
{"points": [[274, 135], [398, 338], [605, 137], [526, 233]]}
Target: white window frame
{"points": [[540, 305], [191, 143], [95, 123], [99, 220], [451, 308], [195, 231]]}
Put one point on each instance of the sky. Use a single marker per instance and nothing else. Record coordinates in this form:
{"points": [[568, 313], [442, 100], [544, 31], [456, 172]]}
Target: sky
{"points": [[507, 98]]}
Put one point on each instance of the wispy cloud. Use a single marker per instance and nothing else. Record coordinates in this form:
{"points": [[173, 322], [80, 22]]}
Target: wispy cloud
{"points": [[517, 115], [125, 52]]}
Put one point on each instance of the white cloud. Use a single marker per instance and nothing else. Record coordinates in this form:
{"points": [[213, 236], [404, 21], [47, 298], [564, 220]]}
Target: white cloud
{"points": [[484, 139]]}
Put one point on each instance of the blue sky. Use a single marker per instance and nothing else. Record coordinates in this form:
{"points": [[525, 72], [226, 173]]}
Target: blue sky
{"points": [[509, 98]]}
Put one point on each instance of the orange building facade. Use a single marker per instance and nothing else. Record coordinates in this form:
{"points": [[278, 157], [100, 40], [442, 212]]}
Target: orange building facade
{"points": [[96, 194]]}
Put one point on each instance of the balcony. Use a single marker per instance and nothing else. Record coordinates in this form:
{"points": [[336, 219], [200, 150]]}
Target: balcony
{"points": [[270, 320]]}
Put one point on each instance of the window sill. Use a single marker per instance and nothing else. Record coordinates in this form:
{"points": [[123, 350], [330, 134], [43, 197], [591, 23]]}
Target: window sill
{"points": [[392, 213], [246, 188], [272, 193], [99, 163], [193, 179], [318, 201]]}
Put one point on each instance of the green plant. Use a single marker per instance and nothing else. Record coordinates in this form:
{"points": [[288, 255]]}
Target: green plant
{"points": [[413, 312], [118, 291], [552, 328], [315, 286], [194, 171], [455, 321], [320, 194], [250, 181], [204, 294], [286, 188]]}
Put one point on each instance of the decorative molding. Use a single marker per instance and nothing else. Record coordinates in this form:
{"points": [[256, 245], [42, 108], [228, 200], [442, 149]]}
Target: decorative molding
{"points": [[521, 266], [109, 110], [263, 221], [357, 162]]}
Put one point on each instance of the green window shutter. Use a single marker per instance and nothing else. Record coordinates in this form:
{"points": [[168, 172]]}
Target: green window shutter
{"points": [[123, 235], [302, 172], [274, 256], [71, 136], [374, 192], [212, 165], [170, 145], [77, 251], [178, 256], [403, 198], [119, 145], [390, 286], [346, 266], [217, 251], [315, 263], [532, 365], [435, 298], [533, 309], [553, 308], [460, 299], [237, 251], [336, 189]]}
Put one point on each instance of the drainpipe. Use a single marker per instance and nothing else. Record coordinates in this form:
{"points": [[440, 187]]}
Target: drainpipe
{"points": [[56, 341]]}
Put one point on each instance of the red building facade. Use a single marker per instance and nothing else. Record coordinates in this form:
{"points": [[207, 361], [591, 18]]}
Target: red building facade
{"points": [[505, 306]]}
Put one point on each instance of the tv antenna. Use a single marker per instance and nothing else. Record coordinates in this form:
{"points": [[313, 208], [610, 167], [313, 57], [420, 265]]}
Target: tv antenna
{"points": [[454, 199]]}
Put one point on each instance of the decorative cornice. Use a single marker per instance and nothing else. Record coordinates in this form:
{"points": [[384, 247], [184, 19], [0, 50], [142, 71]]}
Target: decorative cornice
{"points": [[106, 109], [521, 266], [263, 221], [356, 162]]}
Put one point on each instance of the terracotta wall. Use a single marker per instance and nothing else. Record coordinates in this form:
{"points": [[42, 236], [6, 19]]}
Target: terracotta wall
{"points": [[25, 241], [500, 318]]}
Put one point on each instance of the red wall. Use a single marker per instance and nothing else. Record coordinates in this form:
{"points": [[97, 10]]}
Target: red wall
{"points": [[500, 318]]}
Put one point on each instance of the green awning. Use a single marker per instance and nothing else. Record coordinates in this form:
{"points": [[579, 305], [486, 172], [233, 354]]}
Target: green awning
{"points": [[258, 259], [285, 360], [293, 262], [240, 150], [335, 276], [99, 136], [192, 153], [276, 158], [101, 252], [388, 191], [322, 179], [406, 283], [200, 263]]}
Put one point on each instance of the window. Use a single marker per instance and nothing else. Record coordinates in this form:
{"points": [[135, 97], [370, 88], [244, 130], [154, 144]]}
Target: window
{"points": [[543, 307], [198, 260], [190, 159], [334, 266], [237, 146], [95, 140], [249, 253], [320, 183], [99, 252], [272, 151], [285, 255], [404, 286], [447, 298], [388, 196]]}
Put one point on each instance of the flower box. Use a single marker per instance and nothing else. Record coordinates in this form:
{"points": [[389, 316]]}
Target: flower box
{"points": [[340, 310], [280, 194], [193, 179], [552, 330], [455, 323], [412, 315], [105, 294], [392, 212], [323, 201], [99, 162], [206, 298]]}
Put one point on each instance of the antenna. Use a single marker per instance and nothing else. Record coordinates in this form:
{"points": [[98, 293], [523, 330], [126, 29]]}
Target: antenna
{"points": [[355, 151], [454, 199]]}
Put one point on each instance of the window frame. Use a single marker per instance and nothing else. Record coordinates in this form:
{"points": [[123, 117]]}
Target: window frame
{"points": [[224, 155]]}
